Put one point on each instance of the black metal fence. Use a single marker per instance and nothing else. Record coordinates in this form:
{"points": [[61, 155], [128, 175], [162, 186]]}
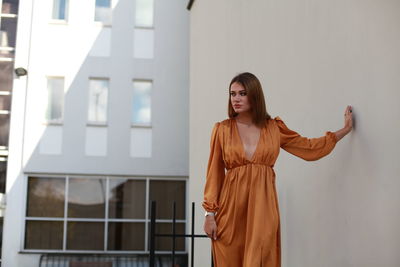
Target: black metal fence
{"points": [[127, 260], [104, 260], [173, 236]]}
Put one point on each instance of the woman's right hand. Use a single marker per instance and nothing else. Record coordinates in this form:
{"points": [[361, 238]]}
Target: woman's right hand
{"points": [[210, 227]]}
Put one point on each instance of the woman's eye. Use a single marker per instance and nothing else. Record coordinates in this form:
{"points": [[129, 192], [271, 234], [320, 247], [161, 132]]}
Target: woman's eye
{"points": [[243, 93], [232, 94]]}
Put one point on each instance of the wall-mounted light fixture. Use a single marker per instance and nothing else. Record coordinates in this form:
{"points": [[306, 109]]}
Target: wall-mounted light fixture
{"points": [[21, 72], [189, 5]]}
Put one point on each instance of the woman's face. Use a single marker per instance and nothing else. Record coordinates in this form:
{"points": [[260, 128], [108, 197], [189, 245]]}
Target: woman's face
{"points": [[239, 99]]}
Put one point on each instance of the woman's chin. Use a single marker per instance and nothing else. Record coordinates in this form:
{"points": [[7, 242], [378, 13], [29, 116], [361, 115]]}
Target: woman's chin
{"points": [[240, 111]]}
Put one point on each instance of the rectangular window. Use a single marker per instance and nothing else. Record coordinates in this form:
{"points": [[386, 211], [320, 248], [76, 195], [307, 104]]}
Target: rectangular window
{"points": [[55, 99], [44, 235], [8, 30], [46, 199], [101, 213], [10, 7], [6, 75], [144, 13], [126, 198], [164, 243], [86, 198], [3, 174], [103, 11], [4, 130], [5, 102], [165, 193], [118, 231], [60, 10], [98, 100], [85, 235], [141, 103]]}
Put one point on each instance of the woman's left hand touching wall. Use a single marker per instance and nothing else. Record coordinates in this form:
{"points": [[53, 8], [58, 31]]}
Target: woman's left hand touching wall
{"points": [[348, 123]]}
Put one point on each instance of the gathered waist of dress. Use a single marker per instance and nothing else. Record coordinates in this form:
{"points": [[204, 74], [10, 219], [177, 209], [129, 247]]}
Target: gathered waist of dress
{"points": [[250, 163]]}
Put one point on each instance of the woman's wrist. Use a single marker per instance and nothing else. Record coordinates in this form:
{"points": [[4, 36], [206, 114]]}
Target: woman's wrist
{"points": [[210, 217], [347, 129], [342, 132]]}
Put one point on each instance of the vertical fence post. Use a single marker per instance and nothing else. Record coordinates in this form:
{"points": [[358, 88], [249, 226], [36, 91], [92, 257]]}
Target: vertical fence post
{"points": [[173, 234], [152, 232], [192, 239]]}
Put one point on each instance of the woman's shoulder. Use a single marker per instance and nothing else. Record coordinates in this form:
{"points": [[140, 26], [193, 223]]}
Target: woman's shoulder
{"points": [[225, 123], [221, 125], [274, 121]]}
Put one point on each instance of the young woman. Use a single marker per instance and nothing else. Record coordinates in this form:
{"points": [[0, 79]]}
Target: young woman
{"points": [[240, 199]]}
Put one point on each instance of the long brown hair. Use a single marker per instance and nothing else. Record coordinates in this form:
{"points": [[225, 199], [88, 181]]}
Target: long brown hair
{"points": [[255, 95]]}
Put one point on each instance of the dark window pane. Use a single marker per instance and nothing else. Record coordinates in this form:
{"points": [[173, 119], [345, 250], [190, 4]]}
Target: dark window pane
{"points": [[180, 260], [165, 193], [6, 75], [126, 236], [43, 235], [4, 129], [85, 236], [165, 243], [86, 198], [1, 235], [10, 7], [46, 197], [127, 199], [3, 172], [8, 31], [5, 102]]}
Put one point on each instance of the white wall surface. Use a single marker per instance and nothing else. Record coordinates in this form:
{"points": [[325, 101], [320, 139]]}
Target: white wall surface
{"points": [[313, 58], [51, 140]]}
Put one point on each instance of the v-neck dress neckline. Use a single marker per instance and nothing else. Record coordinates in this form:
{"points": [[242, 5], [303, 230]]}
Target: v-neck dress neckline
{"points": [[243, 151]]}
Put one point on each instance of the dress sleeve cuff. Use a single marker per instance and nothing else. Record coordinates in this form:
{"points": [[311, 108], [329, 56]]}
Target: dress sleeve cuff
{"points": [[331, 137], [210, 207]]}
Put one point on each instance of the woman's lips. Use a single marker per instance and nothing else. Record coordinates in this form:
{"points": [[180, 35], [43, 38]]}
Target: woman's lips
{"points": [[236, 106]]}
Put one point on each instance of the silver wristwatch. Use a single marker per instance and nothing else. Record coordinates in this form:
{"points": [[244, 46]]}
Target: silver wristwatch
{"points": [[209, 213]]}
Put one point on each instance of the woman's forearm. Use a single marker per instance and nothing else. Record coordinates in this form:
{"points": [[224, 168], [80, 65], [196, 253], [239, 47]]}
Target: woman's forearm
{"points": [[342, 132]]}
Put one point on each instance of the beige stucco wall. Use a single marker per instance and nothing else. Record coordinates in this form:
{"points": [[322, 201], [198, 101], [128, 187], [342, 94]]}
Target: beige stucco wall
{"points": [[313, 58]]}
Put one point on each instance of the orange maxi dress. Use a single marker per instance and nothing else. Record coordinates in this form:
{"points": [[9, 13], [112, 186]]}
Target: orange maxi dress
{"points": [[242, 191]]}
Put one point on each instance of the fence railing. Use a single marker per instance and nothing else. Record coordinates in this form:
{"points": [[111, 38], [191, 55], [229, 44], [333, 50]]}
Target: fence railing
{"points": [[126, 260], [104, 260], [173, 235]]}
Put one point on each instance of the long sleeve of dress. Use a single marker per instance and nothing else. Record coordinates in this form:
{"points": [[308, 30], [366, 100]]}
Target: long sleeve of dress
{"points": [[215, 172], [303, 147]]}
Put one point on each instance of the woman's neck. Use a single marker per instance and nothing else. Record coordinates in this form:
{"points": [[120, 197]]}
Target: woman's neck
{"points": [[244, 118]]}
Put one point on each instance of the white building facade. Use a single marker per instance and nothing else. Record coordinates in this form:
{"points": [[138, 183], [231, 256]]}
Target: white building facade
{"points": [[99, 128]]}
